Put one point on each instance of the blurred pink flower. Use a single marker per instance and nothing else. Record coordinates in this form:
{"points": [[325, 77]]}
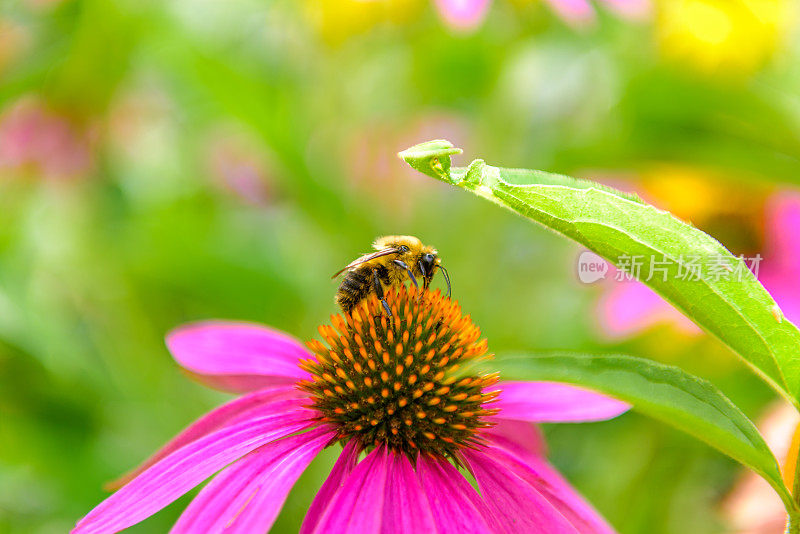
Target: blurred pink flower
{"points": [[780, 272], [466, 15], [36, 140], [239, 169], [374, 169], [296, 403], [630, 307], [463, 15], [581, 11]]}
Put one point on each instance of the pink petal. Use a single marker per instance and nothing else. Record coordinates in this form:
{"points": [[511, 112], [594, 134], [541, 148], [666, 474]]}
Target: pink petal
{"points": [[358, 505], [463, 14], [247, 496], [184, 469], [406, 509], [456, 507], [535, 470], [516, 505], [341, 470], [547, 402], [521, 436], [237, 356], [264, 402]]}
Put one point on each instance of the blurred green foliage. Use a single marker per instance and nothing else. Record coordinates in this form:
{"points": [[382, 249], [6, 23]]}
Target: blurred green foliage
{"points": [[240, 152]]}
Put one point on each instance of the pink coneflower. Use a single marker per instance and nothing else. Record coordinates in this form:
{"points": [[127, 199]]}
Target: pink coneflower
{"points": [[399, 391]]}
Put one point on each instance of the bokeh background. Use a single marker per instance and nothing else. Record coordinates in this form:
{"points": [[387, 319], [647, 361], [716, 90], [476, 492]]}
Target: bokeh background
{"points": [[167, 161]]}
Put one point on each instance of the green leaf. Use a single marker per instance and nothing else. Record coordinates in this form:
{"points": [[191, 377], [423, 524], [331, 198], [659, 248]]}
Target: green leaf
{"points": [[663, 392], [736, 308], [431, 158]]}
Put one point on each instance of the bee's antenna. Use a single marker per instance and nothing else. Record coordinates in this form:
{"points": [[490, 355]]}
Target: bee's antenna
{"points": [[447, 279]]}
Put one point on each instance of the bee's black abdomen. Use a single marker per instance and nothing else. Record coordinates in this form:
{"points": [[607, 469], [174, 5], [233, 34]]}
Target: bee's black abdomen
{"points": [[355, 287]]}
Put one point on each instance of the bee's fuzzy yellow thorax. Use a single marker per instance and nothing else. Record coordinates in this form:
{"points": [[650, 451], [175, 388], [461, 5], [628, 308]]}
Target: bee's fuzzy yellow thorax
{"points": [[396, 240]]}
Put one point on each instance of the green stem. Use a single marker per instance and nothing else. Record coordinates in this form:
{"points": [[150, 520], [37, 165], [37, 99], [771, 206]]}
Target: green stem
{"points": [[793, 524]]}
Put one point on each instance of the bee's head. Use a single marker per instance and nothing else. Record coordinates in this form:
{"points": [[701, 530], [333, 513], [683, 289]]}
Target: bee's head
{"points": [[420, 258], [428, 261]]}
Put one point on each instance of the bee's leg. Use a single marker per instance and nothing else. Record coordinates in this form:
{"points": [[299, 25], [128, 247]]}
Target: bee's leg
{"points": [[447, 278], [376, 282], [402, 265], [426, 281]]}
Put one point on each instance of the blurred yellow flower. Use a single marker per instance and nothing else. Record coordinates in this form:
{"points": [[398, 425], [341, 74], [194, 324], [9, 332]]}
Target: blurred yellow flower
{"points": [[686, 191], [734, 36], [706, 198], [696, 193], [335, 21]]}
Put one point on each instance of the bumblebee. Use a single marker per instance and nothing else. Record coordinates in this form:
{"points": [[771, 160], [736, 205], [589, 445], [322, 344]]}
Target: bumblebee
{"points": [[397, 258]]}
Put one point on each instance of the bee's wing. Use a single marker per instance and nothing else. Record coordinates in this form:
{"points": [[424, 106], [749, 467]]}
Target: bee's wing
{"points": [[367, 257]]}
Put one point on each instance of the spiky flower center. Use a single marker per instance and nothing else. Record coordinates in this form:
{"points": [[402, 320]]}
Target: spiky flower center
{"points": [[401, 382]]}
